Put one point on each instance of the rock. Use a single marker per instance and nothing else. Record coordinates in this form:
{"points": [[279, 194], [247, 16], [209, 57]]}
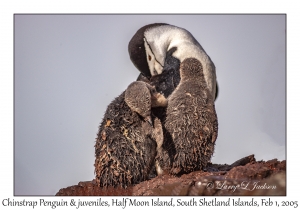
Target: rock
{"points": [[244, 177]]}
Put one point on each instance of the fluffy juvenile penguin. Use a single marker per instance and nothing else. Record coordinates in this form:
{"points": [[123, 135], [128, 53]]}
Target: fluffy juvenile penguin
{"points": [[128, 138], [137, 98], [191, 122], [159, 47]]}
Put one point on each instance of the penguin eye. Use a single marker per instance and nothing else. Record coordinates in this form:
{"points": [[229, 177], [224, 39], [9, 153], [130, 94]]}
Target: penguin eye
{"points": [[149, 57]]}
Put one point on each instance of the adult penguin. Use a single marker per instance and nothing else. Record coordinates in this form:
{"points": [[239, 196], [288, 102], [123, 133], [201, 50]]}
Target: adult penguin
{"points": [[159, 48]]}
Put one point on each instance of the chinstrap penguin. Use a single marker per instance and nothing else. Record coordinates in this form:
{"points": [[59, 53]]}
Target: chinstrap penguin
{"points": [[191, 122], [157, 50], [129, 137], [159, 47]]}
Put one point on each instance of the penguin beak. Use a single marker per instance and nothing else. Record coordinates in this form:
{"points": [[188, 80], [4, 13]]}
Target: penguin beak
{"points": [[149, 120]]}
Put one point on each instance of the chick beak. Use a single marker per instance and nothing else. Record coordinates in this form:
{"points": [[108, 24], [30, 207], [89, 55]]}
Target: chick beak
{"points": [[149, 120]]}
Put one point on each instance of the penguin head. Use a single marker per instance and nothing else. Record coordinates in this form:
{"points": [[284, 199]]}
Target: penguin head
{"points": [[160, 47], [141, 96], [190, 69], [138, 98], [152, 45], [141, 54]]}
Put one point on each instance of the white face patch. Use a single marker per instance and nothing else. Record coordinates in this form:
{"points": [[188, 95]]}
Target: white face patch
{"points": [[154, 66]]}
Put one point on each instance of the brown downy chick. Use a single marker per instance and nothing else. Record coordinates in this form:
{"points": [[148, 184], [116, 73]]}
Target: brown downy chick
{"points": [[141, 97], [191, 121], [126, 144]]}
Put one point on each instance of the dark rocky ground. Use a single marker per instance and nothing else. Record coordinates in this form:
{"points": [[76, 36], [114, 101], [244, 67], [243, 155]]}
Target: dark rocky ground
{"points": [[243, 177]]}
